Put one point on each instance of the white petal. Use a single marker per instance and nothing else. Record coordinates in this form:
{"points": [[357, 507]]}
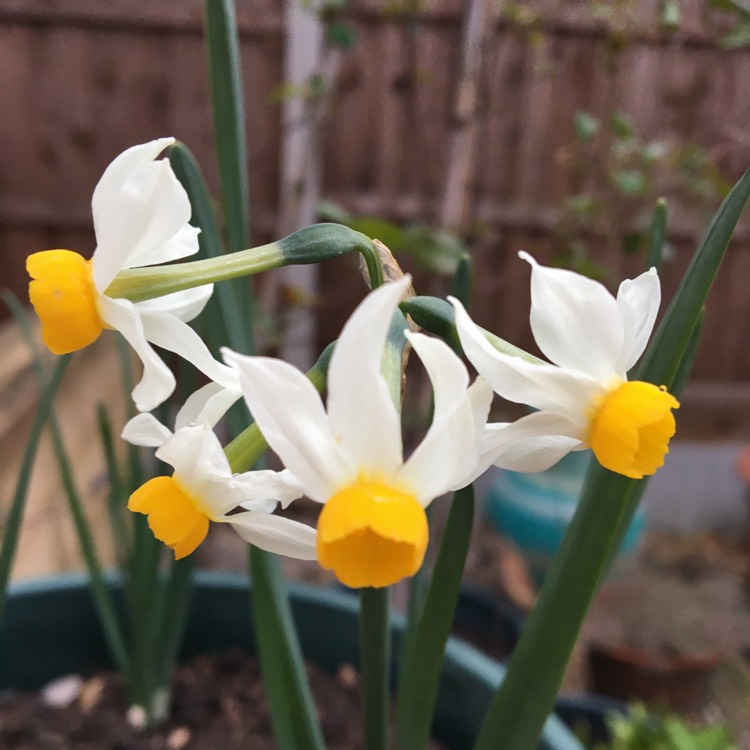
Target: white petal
{"points": [[170, 333], [185, 305], [290, 414], [145, 430], [207, 405], [638, 300], [576, 322], [440, 459], [167, 234], [533, 443], [276, 534], [181, 238], [536, 454], [259, 491], [483, 455], [362, 415], [197, 457], [140, 213], [157, 383], [120, 169], [480, 396], [280, 486], [539, 385]]}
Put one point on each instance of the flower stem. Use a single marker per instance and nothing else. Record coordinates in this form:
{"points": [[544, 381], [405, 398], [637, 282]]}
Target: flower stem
{"points": [[375, 656], [312, 244]]}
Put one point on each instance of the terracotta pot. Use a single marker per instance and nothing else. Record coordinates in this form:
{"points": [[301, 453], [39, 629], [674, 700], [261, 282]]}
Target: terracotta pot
{"points": [[678, 682]]}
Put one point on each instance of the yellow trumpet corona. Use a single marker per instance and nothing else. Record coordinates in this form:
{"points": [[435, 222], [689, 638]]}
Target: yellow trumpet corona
{"points": [[64, 297], [631, 429], [371, 534], [174, 515]]}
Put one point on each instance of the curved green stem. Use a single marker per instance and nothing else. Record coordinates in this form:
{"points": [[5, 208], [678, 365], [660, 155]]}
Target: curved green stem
{"points": [[312, 244]]}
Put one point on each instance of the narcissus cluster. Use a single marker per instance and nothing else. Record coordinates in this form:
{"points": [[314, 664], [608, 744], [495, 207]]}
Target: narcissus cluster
{"points": [[346, 454]]}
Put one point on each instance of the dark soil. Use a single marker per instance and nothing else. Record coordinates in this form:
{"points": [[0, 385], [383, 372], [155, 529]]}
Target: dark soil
{"points": [[218, 704]]}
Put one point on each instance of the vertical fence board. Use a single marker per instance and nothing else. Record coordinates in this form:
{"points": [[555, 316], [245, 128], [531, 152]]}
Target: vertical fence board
{"points": [[82, 80]]}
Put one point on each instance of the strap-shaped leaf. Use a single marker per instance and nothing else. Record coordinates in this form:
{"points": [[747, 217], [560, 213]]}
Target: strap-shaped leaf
{"points": [[292, 709], [657, 235], [424, 660], [225, 79], [12, 525]]}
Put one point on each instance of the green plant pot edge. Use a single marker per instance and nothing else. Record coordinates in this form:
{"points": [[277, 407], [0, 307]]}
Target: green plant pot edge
{"points": [[50, 629]]}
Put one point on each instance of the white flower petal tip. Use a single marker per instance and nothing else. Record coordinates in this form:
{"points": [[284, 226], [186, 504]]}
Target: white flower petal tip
{"points": [[368, 430], [282, 536], [145, 430], [523, 255]]}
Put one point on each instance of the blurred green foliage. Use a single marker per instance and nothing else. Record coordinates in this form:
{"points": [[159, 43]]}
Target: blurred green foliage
{"points": [[641, 730], [614, 177]]}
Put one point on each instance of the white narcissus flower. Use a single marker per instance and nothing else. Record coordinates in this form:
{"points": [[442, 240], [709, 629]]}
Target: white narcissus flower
{"points": [[584, 399], [372, 530], [141, 214], [203, 489]]}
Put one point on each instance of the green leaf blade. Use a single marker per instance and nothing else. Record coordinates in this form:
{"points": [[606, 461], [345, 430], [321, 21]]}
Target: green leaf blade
{"points": [[423, 662]]}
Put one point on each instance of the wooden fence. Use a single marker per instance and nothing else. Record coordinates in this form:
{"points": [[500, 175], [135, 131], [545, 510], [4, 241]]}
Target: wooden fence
{"points": [[80, 80]]}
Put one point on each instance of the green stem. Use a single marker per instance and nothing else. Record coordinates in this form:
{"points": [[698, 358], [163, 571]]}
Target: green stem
{"points": [[375, 656], [312, 244]]}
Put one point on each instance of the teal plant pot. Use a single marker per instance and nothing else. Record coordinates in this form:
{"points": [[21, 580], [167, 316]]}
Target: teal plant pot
{"points": [[534, 510], [51, 629]]}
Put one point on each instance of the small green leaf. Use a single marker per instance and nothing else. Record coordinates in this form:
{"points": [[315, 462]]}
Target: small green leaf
{"points": [[585, 126], [582, 203], [629, 182], [738, 37], [654, 152], [330, 211], [341, 35], [436, 250], [671, 15], [621, 125], [391, 235]]}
